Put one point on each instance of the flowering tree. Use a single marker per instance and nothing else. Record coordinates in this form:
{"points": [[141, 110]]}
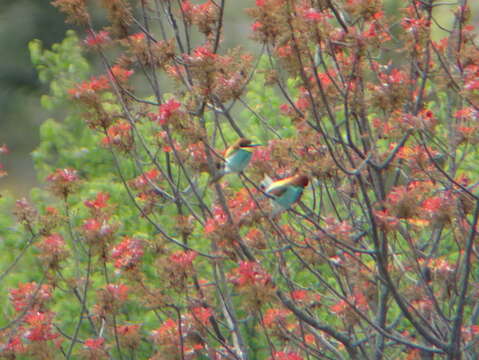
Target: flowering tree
{"points": [[137, 253]]}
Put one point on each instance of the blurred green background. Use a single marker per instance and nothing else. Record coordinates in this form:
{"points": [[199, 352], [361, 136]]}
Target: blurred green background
{"points": [[20, 90], [20, 111]]}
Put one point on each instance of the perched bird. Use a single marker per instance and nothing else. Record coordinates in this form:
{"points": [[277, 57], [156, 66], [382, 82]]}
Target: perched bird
{"points": [[285, 192], [237, 158]]}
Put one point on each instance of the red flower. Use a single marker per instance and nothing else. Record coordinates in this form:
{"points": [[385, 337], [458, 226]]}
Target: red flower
{"points": [[94, 228], [94, 344], [197, 152], [203, 53], [120, 74], [187, 7], [219, 219], [128, 253], [183, 258], [299, 295], [28, 295], [166, 111], [119, 135], [99, 38], [275, 315], [284, 51], [467, 113], [52, 242], [285, 109], [63, 176], [15, 345], [202, 314], [250, 273], [256, 26], [433, 204], [395, 77], [118, 292], [40, 326], [89, 88], [143, 181], [241, 205], [358, 300], [138, 37], [53, 249], [128, 330], [312, 14], [166, 333], [413, 25], [63, 181], [99, 202]]}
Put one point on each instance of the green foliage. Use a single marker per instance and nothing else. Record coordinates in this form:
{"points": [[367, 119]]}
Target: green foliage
{"points": [[65, 143], [265, 101], [60, 67]]}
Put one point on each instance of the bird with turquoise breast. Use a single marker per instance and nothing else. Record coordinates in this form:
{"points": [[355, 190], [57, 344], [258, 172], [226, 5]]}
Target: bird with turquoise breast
{"points": [[285, 192], [237, 157]]}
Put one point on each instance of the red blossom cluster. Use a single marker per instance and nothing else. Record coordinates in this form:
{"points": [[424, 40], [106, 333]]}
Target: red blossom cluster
{"points": [[183, 259], [219, 219], [63, 182], [99, 203], [98, 228], [52, 250], [143, 181], [276, 317], [110, 298], [94, 349], [204, 15], [120, 74], [242, 205], [35, 322], [167, 336], [253, 282], [348, 309], [30, 296], [202, 315], [95, 39], [167, 112], [25, 212], [87, 90], [250, 274], [218, 77], [129, 335], [119, 135], [39, 326], [127, 254]]}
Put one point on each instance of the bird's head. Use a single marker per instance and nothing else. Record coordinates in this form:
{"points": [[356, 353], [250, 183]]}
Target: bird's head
{"points": [[300, 180], [243, 143]]}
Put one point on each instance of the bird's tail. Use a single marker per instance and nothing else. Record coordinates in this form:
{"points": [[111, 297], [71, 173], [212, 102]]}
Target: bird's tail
{"points": [[276, 209], [267, 181]]}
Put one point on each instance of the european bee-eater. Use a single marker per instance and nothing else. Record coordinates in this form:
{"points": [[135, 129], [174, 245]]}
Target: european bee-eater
{"points": [[237, 158], [285, 192]]}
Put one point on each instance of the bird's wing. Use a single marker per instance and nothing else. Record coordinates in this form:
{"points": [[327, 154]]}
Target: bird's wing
{"points": [[278, 191], [278, 188], [266, 183], [230, 151]]}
